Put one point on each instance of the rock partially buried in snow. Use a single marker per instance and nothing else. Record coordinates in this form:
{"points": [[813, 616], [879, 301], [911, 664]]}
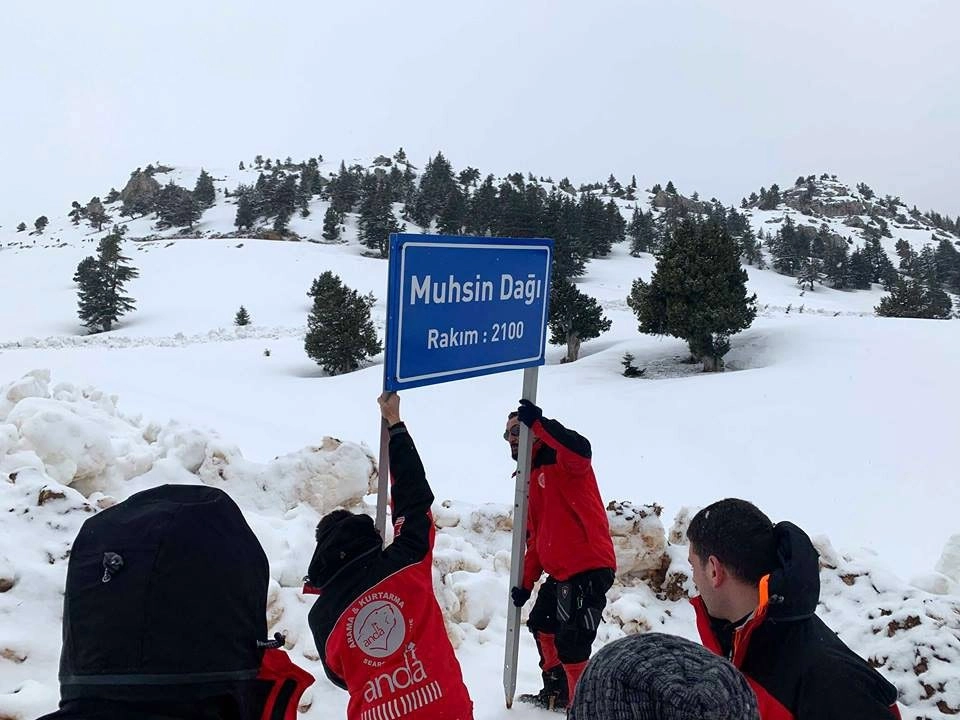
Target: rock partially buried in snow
{"points": [[491, 518], [681, 523], [8, 576], [639, 540]]}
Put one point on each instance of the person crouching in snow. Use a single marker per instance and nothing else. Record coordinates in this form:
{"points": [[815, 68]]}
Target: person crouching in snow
{"points": [[377, 624], [568, 536]]}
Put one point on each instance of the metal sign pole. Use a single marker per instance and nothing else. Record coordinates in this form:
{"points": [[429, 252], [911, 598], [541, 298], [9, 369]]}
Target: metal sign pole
{"points": [[383, 480], [512, 650]]}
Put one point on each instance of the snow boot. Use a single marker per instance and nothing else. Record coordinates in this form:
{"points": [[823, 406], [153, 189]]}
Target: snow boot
{"points": [[554, 695]]}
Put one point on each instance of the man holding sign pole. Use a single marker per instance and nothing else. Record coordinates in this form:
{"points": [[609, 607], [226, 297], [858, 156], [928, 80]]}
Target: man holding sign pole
{"points": [[568, 537], [376, 622]]}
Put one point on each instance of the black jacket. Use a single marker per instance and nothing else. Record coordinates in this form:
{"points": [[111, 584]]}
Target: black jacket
{"points": [[366, 564], [797, 666]]}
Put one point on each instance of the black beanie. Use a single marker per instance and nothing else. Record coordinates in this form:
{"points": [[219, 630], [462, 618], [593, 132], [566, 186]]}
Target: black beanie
{"points": [[661, 677], [342, 537]]}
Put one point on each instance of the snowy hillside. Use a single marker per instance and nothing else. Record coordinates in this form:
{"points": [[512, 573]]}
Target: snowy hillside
{"points": [[838, 420], [849, 213]]}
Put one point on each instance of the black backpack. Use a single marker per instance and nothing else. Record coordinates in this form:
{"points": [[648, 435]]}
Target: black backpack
{"points": [[166, 601]]}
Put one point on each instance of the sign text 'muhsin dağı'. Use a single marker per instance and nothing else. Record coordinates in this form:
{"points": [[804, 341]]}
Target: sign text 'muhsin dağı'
{"points": [[427, 290]]}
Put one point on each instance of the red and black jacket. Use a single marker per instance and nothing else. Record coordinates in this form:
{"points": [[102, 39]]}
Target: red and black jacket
{"points": [[797, 666], [567, 528], [377, 623]]}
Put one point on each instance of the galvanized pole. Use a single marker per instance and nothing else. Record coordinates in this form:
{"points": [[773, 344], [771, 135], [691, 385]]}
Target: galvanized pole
{"points": [[383, 478], [512, 650]]}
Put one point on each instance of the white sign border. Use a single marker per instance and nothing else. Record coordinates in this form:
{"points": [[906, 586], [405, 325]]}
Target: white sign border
{"points": [[469, 246]]}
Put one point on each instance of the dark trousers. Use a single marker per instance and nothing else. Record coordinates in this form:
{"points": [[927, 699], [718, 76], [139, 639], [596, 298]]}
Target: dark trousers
{"points": [[571, 612]]}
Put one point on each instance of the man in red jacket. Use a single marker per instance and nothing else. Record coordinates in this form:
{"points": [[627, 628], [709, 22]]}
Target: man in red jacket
{"points": [[759, 586], [377, 623], [568, 536]]}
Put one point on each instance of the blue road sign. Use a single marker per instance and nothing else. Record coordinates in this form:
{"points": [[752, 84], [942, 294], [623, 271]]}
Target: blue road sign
{"points": [[459, 307]]}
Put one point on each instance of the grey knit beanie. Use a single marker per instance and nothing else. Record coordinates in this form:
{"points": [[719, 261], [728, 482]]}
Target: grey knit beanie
{"points": [[661, 677]]}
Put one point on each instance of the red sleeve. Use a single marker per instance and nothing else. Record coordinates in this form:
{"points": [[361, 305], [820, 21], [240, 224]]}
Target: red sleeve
{"points": [[532, 569], [573, 450]]}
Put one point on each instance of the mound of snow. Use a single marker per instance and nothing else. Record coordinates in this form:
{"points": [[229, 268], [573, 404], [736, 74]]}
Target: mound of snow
{"points": [[67, 452]]}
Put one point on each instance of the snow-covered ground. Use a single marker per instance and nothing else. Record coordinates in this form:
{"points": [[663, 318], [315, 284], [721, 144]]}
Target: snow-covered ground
{"points": [[840, 421]]}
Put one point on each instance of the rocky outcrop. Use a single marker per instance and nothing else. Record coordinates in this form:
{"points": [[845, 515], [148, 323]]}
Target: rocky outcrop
{"points": [[140, 187], [664, 199]]}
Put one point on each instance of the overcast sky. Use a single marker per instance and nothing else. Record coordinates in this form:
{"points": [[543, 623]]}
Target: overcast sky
{"points": [[720, 97]]}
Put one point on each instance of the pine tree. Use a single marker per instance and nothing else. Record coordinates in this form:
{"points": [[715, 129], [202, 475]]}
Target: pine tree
{"points": [[376, 221], [344, 190], [811, 273], [40, 223], [574, 317], [818, 246], [283, 200], [21, 227], [769, 199], [948, 265], [246, 216], [453, 214], [86, 268], [241, 166], [482, 209], [96, 214], [204, 192], [914, 298], [836, 265], [670, 189], [331, 224], [597, 231], [697, 292], [176, 207], [102, 284], [340, 334], [907, 255], [861, 272], [468, 177], [76, 213], [435, 187], [641, 232], [629, 369], [926, 266], [790, 249], [881, 269], [751, 249], [305, 189], [112, 196], [242, 317], [281, 223]]}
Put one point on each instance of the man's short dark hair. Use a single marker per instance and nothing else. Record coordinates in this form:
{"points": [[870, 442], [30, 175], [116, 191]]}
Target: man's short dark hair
{"points": [[738, 534], [512, 415]]}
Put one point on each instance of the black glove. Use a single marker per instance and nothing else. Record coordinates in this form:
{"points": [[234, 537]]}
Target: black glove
{"points": [[528, 413], [520, 596]]}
